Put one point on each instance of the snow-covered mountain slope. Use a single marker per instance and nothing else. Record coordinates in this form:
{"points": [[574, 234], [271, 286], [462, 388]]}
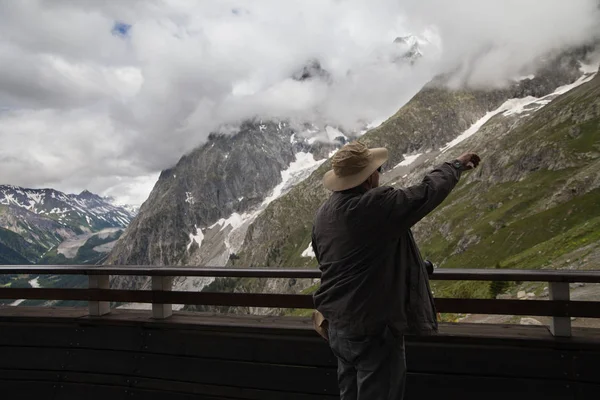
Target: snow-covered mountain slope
{"points": [[45, 217], [92, 210]]}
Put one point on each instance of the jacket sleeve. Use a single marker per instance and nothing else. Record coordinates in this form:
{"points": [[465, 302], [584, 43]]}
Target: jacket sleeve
{"points": [[407, 206]]}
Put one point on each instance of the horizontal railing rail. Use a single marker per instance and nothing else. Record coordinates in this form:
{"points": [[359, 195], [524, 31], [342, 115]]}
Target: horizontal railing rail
{"points": [[440, 274], [99, 295]]}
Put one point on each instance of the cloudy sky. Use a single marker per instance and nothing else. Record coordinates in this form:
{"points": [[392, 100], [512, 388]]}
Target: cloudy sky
{"points": [[102, 95]]}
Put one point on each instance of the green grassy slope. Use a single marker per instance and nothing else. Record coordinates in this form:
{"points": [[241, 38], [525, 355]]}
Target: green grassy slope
{"points": [[14, 247], [549, 209]]}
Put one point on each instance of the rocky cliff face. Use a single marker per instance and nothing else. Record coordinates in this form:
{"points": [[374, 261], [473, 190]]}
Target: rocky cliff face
{"points": [[229, 174], [199, 210]]}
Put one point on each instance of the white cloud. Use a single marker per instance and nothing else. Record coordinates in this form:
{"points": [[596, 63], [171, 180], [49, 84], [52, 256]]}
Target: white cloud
{"points": [[129, 190], [491, 42], [81, 107]]}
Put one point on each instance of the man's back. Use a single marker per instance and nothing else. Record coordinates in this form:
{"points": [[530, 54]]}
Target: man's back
{"points": [[372, 271], [354, 256]]}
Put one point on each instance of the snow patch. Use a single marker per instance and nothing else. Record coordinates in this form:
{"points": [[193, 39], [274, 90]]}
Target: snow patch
{"points": [[298, 170], [237, 225], [584, 79], [517, 106], [528, 104], [235, 220], [472, 130], [34, 284], [189, 198], [408, 159], [309, 252], [522, 78], [198, 237]]}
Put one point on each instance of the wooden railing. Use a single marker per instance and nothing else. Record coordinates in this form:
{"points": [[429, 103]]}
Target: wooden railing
{"points": [[99, 295]]}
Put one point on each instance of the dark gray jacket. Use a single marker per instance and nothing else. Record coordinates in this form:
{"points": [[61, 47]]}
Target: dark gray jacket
{"points": [[372, 271]]}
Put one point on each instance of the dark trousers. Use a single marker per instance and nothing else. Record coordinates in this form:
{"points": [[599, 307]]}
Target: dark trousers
{"points": [[370, 367]]}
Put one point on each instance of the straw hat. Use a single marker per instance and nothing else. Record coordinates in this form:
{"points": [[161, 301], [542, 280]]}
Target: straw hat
{"points": [[352, 165]]}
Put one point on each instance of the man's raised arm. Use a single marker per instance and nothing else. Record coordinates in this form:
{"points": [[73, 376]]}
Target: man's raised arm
{"points": [[407, 206]]}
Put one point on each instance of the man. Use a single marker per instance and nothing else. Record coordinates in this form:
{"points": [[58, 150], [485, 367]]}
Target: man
{"points": [[374, 286]]}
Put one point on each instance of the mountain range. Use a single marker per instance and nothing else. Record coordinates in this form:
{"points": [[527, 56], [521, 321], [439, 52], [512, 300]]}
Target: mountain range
{"points": [[531, 204], [248, 199], [39, 225]]}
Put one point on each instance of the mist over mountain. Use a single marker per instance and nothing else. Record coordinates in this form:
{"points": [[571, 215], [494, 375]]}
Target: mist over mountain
{"points": [[126, 89]]}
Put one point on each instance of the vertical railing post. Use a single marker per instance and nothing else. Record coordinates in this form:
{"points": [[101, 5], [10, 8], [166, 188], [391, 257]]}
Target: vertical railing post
{"points": [[163, 283], [98, 308], [560, 326]]}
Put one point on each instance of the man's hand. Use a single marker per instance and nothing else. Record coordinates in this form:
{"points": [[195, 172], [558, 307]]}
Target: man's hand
{"points": [[469, 161]]}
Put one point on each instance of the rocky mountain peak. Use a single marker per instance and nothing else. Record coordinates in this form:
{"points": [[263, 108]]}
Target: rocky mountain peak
{"points": [[312, 70], [411, 48], [86, 194]]}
